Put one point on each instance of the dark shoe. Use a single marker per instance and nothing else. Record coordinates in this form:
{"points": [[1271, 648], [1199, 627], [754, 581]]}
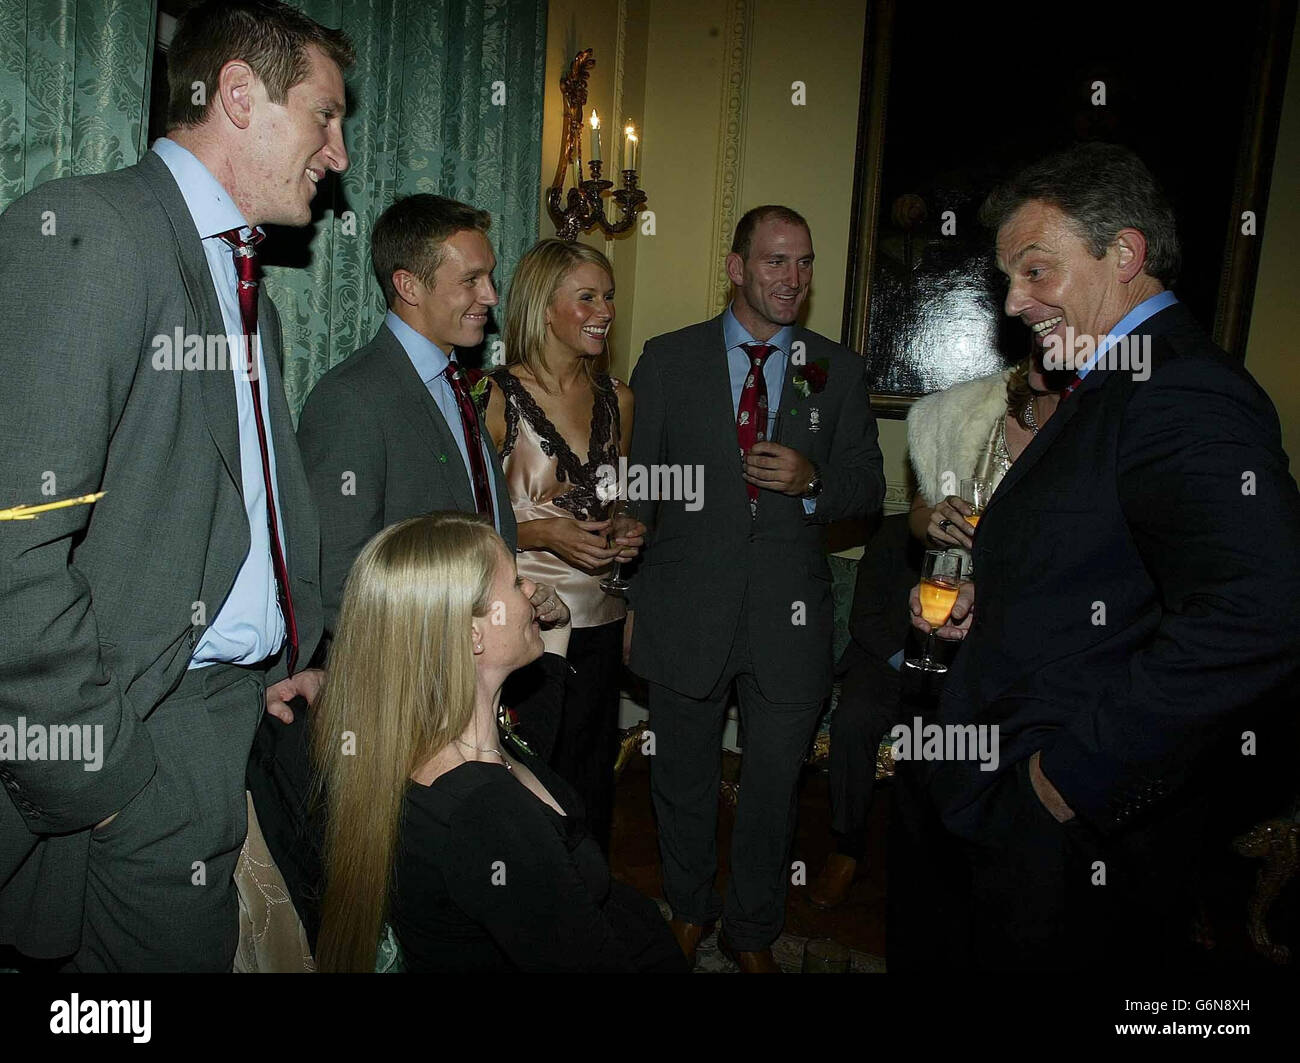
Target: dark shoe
{"points": [[760, 962], [831, 887], [689, 935]]}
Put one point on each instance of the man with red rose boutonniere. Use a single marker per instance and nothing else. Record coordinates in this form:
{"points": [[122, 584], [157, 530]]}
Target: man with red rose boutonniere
{"points": [[733, 590]]}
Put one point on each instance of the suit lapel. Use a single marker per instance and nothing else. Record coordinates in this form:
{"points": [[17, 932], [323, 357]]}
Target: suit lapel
{"points": [[1038, 446], [791, 428], [219, 410], [302, 532], [408, 396]]}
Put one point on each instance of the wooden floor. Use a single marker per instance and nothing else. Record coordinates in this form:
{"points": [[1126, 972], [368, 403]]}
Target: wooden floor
{"points": [[859, 923]]}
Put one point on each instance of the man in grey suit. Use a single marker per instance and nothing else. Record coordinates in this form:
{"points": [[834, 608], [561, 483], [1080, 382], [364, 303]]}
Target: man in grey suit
{"points": [[152, 622], [738, 591], [382, 434]]}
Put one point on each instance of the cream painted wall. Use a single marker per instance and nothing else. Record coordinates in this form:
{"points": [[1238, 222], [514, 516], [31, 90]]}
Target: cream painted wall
{"points": [[1273, 350]]}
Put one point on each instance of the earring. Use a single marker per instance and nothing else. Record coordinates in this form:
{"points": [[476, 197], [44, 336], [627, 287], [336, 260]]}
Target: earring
{"points": [[478, 647]]}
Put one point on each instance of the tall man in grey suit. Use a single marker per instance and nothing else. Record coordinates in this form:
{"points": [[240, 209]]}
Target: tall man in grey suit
{"points": [[738, 591], [152, 622], [383, 434]]}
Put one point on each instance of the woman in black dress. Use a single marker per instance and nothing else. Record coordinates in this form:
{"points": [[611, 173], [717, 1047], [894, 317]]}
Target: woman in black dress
{"points": [[472, 849]]}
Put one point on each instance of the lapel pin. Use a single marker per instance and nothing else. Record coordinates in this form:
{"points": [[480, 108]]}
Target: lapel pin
{"points": [[814, 419], [442, 458]]}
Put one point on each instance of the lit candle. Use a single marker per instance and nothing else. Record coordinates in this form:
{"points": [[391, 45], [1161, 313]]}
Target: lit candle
{"points": [[629, 147], [595, 136]]}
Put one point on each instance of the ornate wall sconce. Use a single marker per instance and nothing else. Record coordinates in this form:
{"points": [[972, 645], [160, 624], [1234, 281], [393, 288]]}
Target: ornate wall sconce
{"points": [[584, 207]]}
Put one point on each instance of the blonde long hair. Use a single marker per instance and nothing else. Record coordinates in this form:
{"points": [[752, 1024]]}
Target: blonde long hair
{"points": [[536, 279], [400, 687]]}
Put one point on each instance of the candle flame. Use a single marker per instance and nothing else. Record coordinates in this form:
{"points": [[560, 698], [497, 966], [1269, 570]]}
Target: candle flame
{"points": [[595, 120], [630, 130]]}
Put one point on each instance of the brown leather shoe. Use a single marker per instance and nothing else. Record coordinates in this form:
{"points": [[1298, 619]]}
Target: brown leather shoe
{"points": [[831, 887], [689, 935], [760, 962]]}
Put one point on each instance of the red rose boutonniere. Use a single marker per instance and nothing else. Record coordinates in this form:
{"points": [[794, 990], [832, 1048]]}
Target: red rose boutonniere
{"points": [[810, 379]]}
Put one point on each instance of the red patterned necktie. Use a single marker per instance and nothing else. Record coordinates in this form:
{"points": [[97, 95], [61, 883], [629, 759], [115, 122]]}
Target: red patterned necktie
{"points": [[473, 439], [751, 413], [245, 252]]}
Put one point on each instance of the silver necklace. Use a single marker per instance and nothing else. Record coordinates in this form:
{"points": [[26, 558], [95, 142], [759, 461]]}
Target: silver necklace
{"points": [[1030, 419], [477, 749]]}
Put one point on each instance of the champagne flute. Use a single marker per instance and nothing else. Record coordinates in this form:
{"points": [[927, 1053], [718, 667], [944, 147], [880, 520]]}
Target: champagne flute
{"points": [[940, 580], [622, 518], [976, 491]]}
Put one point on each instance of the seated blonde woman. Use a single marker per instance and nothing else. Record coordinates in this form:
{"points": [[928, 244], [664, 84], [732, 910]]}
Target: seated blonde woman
{"points": [[438, 822]]}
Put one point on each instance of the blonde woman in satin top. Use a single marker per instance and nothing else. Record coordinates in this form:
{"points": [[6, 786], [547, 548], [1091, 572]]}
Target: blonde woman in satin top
{"points": [[556, 417]]}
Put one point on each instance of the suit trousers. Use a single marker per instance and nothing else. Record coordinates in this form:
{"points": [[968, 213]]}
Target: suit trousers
{"points": [[160, 893], [867, 709], [685, 776]]}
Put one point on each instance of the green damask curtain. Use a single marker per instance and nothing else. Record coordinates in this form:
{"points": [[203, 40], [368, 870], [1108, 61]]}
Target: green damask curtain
{"points": [[74, 88], [445, 97]]}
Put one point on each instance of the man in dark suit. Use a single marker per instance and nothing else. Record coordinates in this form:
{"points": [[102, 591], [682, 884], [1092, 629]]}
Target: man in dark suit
{"points": [[383, 435], [737, 592], [154, 620], [1138, 598]]}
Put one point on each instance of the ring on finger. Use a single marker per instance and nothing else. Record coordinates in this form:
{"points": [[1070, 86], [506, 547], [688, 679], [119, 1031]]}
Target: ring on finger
{"points": [[945, 524]]}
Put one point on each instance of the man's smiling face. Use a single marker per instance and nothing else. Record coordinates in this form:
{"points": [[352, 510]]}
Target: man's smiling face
{"points": [[294, 145], [1055, 281]]}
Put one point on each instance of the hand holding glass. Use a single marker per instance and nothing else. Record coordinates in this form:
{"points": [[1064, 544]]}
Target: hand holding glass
{"points": [[940, 581]]}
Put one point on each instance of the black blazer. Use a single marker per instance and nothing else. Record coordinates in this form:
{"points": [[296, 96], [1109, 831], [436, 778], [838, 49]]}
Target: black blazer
{"points": [[1139, 587]]}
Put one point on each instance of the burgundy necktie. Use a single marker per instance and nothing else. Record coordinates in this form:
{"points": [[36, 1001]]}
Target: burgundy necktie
{"points": [[245, 252], [751, 413], [473, 439]]}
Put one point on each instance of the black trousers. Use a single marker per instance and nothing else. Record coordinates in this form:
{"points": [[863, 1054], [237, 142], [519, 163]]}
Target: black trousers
{"points": [[587, 743], [867, 709], [1033, 894], [685, 774]]}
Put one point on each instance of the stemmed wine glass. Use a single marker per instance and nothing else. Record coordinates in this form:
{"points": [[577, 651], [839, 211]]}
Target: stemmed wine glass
{"points": [[940, 580], [622, 519]]}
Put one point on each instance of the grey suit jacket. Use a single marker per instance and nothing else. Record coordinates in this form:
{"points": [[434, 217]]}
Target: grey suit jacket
{"points": [[699, 566], [372, 417], [98, 604]]}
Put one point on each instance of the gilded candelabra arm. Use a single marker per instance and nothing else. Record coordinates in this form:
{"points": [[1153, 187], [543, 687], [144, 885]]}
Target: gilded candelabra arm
{"points": [[582, 208]]}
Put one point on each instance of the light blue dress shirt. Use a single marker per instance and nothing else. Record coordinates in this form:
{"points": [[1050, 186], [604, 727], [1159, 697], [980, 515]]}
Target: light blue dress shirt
{"points": [[431, 365], [738, 365], [249, 626], [1145, 309]]}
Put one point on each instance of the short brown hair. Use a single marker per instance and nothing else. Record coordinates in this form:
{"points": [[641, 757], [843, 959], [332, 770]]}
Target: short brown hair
{"points": [[410, 235], [749, 222], [271, 37], [1102, 188]]}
